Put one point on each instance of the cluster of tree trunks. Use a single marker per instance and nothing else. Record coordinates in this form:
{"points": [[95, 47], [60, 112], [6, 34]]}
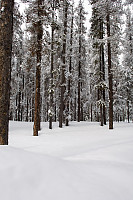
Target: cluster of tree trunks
{"points": [[70, 99]]}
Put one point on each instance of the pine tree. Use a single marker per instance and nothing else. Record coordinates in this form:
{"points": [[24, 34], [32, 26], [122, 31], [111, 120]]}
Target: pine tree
{"points": [[81, 53], [54, 27], [105, 15], [97, 35], [36, 13], [114, 10]]}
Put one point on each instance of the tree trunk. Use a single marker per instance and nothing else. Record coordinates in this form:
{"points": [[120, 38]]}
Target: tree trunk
{"points": [[32, 109], [79, 72], [38, 72], [128, 112], [110, 76], [101, 114], [78, 101], [6, 33], [104, 109], [27, 110], [70, 70], [103, 71], [19, 105], [75, 107], [52, 67], [63, 80], [102, 77], [81, 113], [91, 113]]}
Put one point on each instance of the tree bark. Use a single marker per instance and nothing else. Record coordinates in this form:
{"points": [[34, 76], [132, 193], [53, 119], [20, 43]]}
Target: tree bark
{"points": [[6, 33], [128, 112], [91, 113], [52, 67], [63, 79], [102, 77], [75, 106], [110, 76], [19, 105], [27, 109], [70, 70], [79, 72], [38, 71]]}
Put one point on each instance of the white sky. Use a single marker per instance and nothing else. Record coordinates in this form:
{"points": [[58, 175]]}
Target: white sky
{"points": [[87, 8]]}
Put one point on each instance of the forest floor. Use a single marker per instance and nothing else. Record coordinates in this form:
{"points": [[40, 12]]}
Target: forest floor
{"points": [[81, 162]]}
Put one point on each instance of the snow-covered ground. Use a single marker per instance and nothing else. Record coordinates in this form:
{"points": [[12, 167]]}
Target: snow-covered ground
{"points": [[81, 162]]}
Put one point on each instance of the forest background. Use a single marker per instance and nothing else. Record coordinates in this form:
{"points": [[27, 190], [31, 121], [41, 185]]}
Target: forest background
{"points": [[64, 71]]}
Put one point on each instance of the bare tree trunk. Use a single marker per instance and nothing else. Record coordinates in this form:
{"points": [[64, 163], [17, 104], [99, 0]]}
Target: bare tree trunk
{"points": [[6, 33], [19, 105], [70, 70], [55, 112], [79, 101], [128, 112], [81, 113], [110, 76], [79, 72], [75, 107], [91, 113], [38, 72], [32, 109], [104, 109], [52, 67], [101, 89], [101, 113], [63, 80], [103, 74], [102, 77], [27, 110], [103, 92]]}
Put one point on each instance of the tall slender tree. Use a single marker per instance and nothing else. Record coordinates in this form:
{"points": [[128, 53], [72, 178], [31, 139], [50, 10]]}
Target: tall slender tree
{"points": [[6, 33], [128, 63], [63, 68], [81, 53], [110, 75], [69, 86], [97, 34], [113, 12], [39, 30], [52, 66], [105, 14], [54, 27]]}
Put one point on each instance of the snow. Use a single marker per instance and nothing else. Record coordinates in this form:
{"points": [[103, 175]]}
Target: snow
{"points": [[2, 9], [81, 162]]}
